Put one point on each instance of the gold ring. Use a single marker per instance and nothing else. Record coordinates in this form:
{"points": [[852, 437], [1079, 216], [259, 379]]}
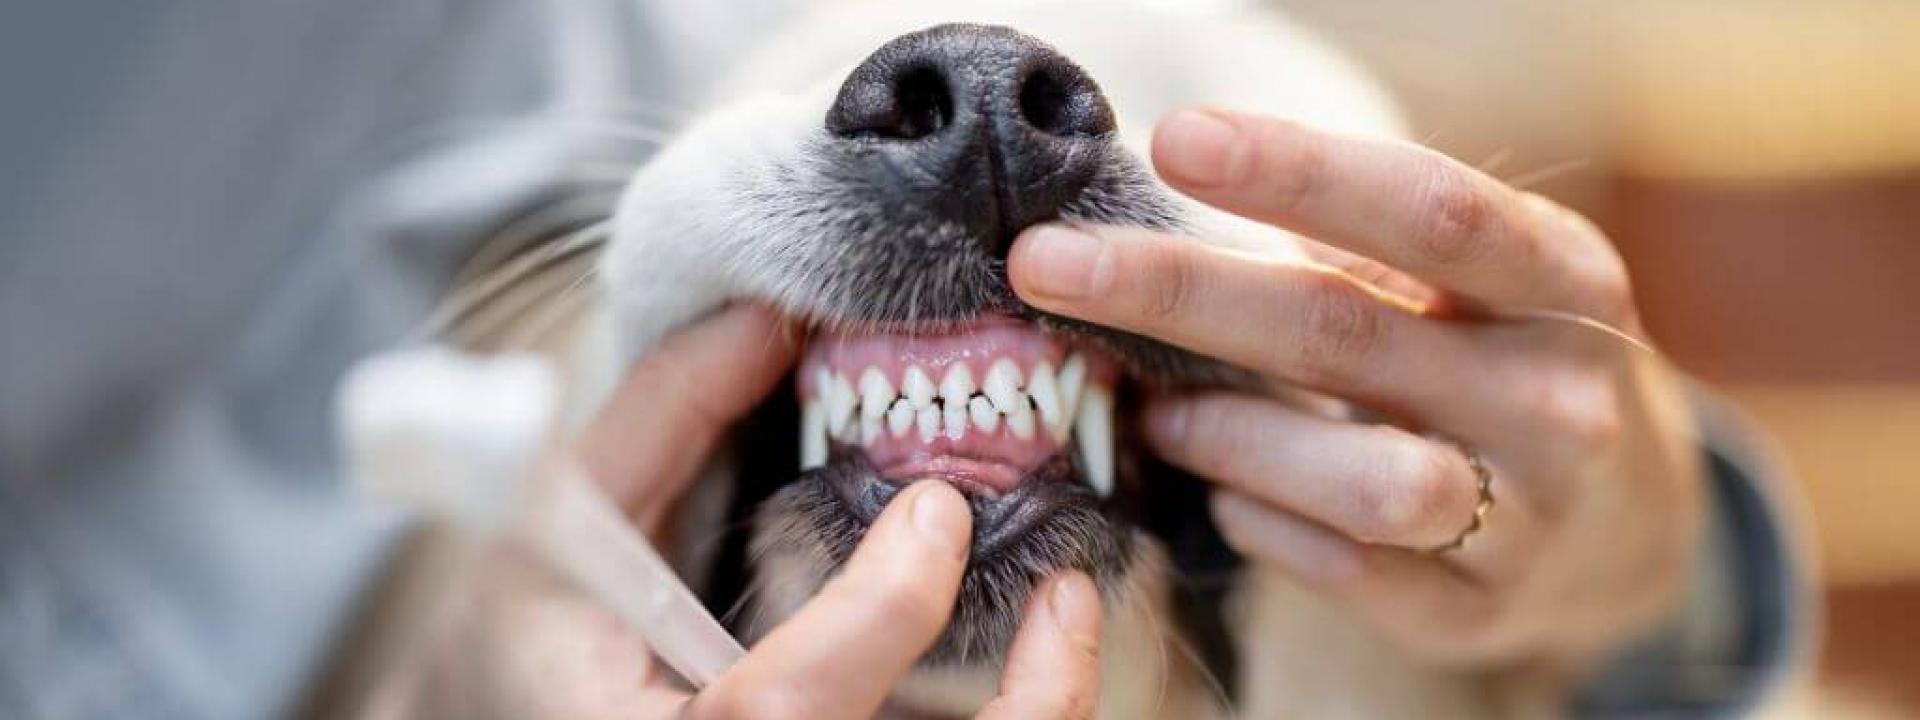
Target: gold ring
{"points": [[1483, 480]]}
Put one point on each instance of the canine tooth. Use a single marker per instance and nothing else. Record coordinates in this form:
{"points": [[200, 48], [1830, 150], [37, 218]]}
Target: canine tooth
{"points": [[928, 420], [984, 416], [1094, 427], [917, 387], [899, 418], [1003, 386], [869, 429], [876, 394], [813, 436], [1046, 398], [954, 417], [1073, 378], [957, 386], [1021, 420]]}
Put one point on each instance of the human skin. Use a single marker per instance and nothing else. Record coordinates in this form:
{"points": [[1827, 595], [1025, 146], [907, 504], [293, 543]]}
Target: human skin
{"points": [[1423, 306]]}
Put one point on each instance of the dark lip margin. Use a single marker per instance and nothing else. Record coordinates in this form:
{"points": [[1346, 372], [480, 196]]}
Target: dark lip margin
{"points": [[1056, 483]]}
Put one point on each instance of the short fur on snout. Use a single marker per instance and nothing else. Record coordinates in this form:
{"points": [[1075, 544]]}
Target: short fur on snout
{"points": [[767, 195]]}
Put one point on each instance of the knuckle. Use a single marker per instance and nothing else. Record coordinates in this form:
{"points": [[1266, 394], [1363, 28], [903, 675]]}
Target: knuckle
{"points": [[1418, 495], [1456, 217], [1166, 298], [1607, 284], [1585, 410], [1340, 323]]}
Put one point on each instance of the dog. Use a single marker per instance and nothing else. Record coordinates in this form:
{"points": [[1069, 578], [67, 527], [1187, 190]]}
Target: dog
{"points": [[865, 171]]}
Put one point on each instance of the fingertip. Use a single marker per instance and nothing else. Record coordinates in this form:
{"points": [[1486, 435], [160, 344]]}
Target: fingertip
{"points": [[1073, 602], [1195, 147], [1058, 262], [940, 516], [1169, 424]]}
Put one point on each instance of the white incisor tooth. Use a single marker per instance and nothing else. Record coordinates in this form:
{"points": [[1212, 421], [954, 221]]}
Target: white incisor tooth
{"points": [[954, 418], [1046, 398], [1020, 420], [917, 387], [876, 394], [899, 418], [1094, 426], [840, 402], [957, 386], [813, 435], [1002, 386], [927, 419], [984, 416]]}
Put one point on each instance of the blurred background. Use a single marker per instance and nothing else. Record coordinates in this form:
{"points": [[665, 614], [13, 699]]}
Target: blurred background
{"points": [[184, 252]]}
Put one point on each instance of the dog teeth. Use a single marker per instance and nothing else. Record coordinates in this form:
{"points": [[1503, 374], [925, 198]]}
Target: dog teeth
{"points": [[927, 419], [957, 387], [984, 416], [838, 396], [813, 436], [1002, 386], [1062, 402], [876, 394], [1072, 378], [1046, 399], [1020, 421], [1094, 428], [954, 418], [899, 418], [917, 387]]}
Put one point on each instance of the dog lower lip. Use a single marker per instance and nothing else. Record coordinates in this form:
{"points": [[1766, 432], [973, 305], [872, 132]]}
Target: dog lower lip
{"points": [[997, 520]]}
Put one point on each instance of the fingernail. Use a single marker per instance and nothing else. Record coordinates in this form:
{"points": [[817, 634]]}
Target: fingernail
{"points": [[1195, 148], [1066, 601], [1060, 261], [941, 516]]}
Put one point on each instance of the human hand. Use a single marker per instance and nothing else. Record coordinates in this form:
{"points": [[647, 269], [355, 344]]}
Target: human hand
{"points": [[529, 647], [1596, 494]]}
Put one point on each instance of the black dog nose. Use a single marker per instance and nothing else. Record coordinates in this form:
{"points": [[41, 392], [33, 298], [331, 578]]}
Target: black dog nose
{"points": [[982, 125]]}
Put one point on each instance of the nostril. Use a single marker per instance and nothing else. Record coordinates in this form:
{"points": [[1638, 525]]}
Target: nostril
{"points": [[1063, 106], [893, 102], [1043, 104], [925, 105]]}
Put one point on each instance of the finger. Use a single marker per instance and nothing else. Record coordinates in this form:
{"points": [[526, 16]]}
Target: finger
{"points": [[843, 652], [1431, 608], [1399, 203], [1377, 484], [1053, 669], [655, 433], [1312, 326]]}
